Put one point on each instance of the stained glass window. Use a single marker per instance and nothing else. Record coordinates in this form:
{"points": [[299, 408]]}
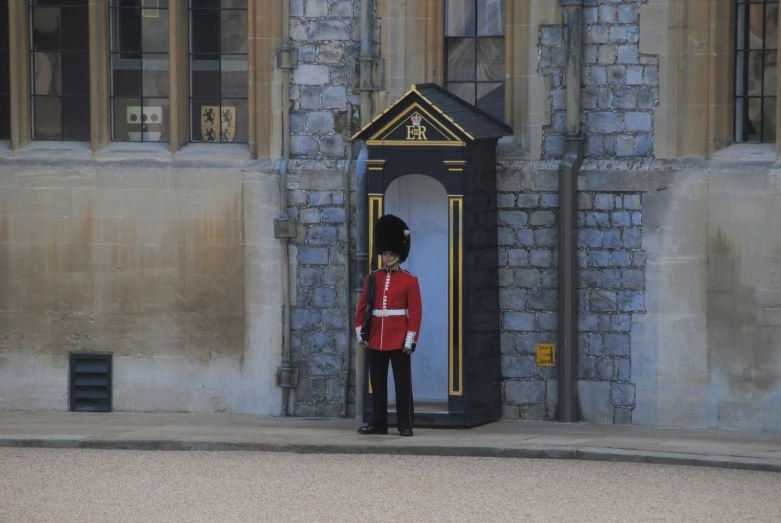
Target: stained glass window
{"points": [[59, 39], [756, 66], [219, 83], [474, 53], [140, 80]]}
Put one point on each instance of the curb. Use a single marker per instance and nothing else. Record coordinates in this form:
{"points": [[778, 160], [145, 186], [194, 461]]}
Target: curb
{"points": [[570, 453]]}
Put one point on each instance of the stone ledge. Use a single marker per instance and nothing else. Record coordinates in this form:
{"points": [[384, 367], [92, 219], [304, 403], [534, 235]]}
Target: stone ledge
{"points": [[763, 152], [528, 452]]}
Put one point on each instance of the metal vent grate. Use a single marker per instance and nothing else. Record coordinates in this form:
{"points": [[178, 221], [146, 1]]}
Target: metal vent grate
{"points": [[90, 382]]}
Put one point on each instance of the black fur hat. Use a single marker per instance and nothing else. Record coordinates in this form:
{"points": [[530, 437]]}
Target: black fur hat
{"points": [[392, 234]]}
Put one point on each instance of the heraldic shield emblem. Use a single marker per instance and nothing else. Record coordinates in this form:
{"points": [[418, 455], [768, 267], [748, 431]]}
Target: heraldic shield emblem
{"points": [[144, 123], [218, 124]]}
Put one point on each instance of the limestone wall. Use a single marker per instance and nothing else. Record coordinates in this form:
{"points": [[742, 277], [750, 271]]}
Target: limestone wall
{"points": [[708, 352], [145, 260]]}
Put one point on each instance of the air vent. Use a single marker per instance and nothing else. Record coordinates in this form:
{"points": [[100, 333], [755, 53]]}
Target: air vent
{"points": [[90, 382]]}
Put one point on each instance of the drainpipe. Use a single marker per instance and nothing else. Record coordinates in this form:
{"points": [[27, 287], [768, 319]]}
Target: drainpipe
{"points": [[348, 311], [361, 196], [285, 227], [568, 212], [366, 63]]}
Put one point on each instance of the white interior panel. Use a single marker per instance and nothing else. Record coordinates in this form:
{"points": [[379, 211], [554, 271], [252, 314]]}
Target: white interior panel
{"points": [[422, 202]]}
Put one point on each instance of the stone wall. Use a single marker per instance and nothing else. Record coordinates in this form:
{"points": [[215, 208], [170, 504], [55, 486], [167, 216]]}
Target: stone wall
{"points": [[707, 352], [325, 32], [611, 282], [138, 259], [620, 86], [321, 311]]}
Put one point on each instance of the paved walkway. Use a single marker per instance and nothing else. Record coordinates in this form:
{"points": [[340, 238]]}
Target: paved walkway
{"points": [[524, 439]]}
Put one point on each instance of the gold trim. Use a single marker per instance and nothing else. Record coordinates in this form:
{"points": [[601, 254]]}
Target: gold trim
{"points": [[452, 306], [355, 136], [453, 170], [461, 293], [376, 168], [375, 162], [373, 198], [414, 144], [454, 162], [443, 114], [403, 115]]}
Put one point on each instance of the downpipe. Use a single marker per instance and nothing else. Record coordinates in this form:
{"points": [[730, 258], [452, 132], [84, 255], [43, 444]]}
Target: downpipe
{"points": [[287, 376], [361, 261], [569, 170], [347, 247], [361, 196], [286, 369]]}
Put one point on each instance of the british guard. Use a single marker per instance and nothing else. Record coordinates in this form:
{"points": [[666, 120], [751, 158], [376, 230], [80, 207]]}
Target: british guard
{"points": [[389, 325]]}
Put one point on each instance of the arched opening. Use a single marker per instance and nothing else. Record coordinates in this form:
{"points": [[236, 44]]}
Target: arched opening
{"points": [[422, 202]]}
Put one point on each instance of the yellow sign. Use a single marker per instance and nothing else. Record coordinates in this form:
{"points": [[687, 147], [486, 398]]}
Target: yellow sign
{"points": [[218, 124], [416, 131], [546, 355]]}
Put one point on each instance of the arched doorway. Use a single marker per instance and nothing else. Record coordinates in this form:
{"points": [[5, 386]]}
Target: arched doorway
{"points": [[422, 202]]}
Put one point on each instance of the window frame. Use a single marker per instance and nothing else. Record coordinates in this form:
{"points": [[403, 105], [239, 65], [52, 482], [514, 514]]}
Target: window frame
{"points": [[218, 100], [115, 59], [5, 46], [61, 51], [741, 96], [475, 38], [262, 130]]}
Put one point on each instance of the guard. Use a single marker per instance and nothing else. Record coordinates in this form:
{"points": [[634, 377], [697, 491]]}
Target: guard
{"points": [[387, 322]]}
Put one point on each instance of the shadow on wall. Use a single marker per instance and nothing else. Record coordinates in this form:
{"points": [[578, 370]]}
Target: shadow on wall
{"points": [[157, 279], [744, 328]]}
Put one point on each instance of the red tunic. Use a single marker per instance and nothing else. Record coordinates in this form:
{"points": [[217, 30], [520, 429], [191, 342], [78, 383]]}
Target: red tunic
{"points": [[395, 290]]}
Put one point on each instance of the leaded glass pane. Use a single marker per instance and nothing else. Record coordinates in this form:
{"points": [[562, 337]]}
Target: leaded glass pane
{"points": [[47, 118], [490, 59], [460, 16], [461, 59], [756, 70], [465, 91], [219, 84], [140, 70], [490, 98], [475, 52], [490, 18]]}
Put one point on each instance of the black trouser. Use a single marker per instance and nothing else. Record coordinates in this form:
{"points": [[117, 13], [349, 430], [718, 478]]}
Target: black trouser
{"points": [[402, 377]]}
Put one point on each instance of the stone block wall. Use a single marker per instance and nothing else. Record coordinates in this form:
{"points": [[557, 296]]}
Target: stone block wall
{"points": [[325, 32], [135, 258], [322, 311], [611, 283], [620, 86], [611, 290], [528, 299]]}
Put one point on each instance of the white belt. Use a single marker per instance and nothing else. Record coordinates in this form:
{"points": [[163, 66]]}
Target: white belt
{"points": [[390, 312]]}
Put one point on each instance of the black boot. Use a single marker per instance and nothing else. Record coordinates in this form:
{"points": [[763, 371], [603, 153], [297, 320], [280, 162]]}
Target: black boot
{"points": [[406, 431], [371, 429]]}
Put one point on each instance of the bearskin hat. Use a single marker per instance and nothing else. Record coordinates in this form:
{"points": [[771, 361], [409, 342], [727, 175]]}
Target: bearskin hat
{"points": [[392, 234]]}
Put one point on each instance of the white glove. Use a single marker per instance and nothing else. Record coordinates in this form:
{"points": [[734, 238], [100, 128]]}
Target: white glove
{"points": [[409, 343]]}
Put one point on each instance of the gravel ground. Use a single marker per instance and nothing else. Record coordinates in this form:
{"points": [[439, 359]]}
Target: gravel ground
{"points": [[46, 485]]}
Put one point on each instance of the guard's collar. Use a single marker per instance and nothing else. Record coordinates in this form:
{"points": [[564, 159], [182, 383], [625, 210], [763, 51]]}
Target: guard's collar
{"points": [[396, 268]]}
